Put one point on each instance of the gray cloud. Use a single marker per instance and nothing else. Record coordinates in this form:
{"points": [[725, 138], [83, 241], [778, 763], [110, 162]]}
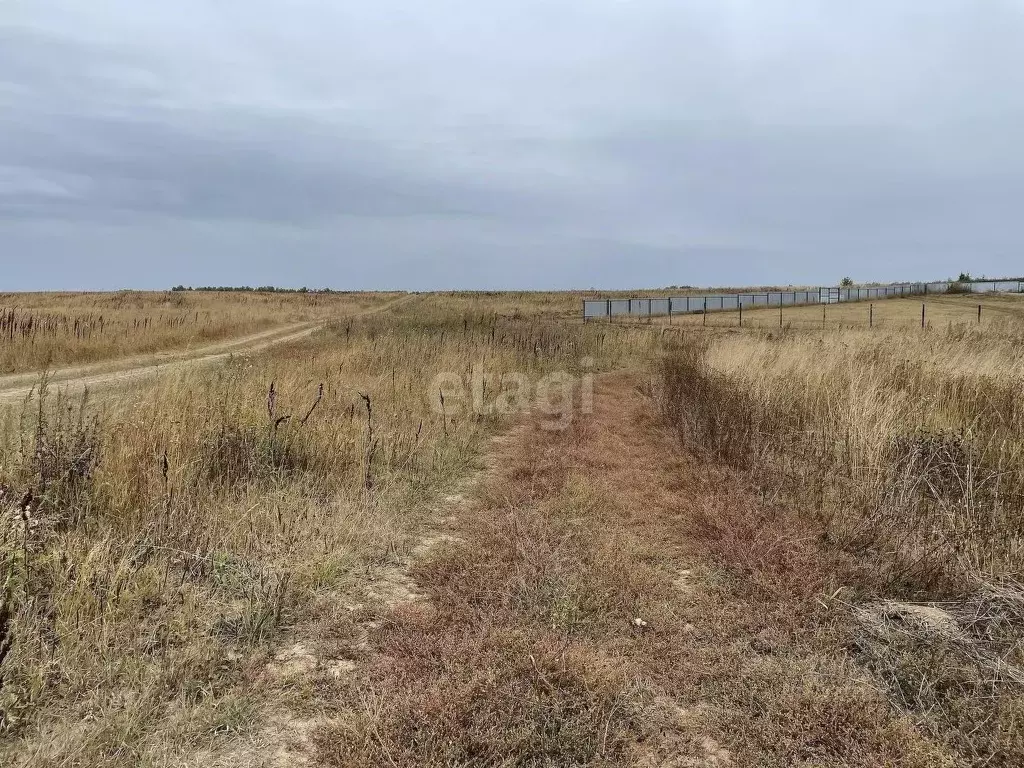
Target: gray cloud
{"points": [[565, 143]]}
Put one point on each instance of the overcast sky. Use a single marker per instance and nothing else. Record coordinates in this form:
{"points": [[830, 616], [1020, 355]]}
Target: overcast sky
{"points": [[508, 143]]}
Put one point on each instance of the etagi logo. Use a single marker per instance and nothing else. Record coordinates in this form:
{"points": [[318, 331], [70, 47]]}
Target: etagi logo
{"points": [[486, 394]]}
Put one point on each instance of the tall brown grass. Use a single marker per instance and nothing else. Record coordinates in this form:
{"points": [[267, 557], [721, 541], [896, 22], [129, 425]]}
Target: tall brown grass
{"points": [[905, 451], [55, 329], [158, 543]]}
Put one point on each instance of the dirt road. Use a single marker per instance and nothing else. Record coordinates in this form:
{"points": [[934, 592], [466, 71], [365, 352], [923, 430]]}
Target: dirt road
{"points": [[113, 372], [603, 597]]}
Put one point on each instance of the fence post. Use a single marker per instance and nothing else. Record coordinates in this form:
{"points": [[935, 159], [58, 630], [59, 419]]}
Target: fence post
{"points": [[780, 313], [740, 304], [706, 310], [609, 310], [979, 313], [922, 314], [584, 311], [670, 310]]}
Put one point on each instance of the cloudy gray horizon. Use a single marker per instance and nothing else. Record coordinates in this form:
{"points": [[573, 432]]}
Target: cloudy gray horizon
{"points": [[508, 144]]}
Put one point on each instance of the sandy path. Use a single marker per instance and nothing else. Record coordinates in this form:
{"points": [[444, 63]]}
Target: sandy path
{"points": [[108, 373]]}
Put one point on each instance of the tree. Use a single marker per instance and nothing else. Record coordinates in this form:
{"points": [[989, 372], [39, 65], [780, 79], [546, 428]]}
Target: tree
{"points": [[965, 277], [846, 282]]}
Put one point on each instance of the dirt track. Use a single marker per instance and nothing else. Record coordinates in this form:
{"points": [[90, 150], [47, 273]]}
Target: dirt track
{"points": [[99, 375]]}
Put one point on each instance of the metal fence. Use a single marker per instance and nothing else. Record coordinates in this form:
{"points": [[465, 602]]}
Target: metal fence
{"points": [[717, 302]]}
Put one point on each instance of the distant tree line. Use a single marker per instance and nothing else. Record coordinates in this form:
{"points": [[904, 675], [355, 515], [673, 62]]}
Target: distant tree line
{"points": [[250, 289]]}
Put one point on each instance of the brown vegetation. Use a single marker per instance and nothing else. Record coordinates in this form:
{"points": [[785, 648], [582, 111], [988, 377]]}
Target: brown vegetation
{"points": [[904, 456], [57, 329], [575, 618], [163, 548], [763, 548]]}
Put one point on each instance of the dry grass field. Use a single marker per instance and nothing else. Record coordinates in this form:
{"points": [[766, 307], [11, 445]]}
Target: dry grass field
{"points": [[760, 547], [162, 545], [902, 451], [58, 329]]}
